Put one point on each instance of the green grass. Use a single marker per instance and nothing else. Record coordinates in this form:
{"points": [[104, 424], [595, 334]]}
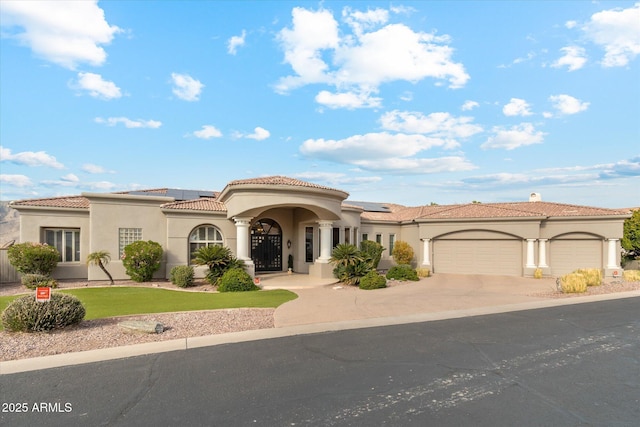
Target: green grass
{"points": [[111, 302]]}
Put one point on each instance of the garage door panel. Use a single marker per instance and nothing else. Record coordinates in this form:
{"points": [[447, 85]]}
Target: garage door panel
{"points": [[502, 257], [566, 256]]}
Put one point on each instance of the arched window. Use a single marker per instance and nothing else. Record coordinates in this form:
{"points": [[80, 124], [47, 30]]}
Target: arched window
{"points": [[205, 235]]}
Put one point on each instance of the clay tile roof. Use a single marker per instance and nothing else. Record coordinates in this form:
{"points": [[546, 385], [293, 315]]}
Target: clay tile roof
{"points": [[78, 202], [202, 204], [278, 180], [562, 209]]}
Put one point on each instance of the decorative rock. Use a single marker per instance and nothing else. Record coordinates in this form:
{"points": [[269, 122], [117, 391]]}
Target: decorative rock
{"points": [[146, 327]]}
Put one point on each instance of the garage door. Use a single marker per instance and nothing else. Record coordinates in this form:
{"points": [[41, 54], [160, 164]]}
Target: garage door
{"points": [[566, 256], [502, 257]]}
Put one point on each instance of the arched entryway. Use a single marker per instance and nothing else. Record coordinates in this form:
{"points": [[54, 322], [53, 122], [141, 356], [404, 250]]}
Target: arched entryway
{"points": [[266, 245]]}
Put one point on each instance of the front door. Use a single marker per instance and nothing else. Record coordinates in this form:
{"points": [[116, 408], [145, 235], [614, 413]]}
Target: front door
{"points": [[266, 245]]}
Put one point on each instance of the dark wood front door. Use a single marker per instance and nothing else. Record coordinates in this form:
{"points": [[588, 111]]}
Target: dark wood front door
{"points": [[266, 245]]}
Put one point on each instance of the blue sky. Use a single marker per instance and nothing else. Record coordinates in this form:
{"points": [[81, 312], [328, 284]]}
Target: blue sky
{"points": [[410, 103]]}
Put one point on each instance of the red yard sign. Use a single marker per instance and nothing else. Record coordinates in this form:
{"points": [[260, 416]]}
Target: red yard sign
{"points": [[43, 294]]}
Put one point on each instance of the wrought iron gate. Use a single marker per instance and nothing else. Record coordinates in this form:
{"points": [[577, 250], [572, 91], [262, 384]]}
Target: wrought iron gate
{"points": [[266, 245]]}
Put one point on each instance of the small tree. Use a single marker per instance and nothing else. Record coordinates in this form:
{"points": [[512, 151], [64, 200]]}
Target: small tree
{"points": [[34, 258], [100, 258], [631, 236], [141, 259], [372, 252], [402, 252]]}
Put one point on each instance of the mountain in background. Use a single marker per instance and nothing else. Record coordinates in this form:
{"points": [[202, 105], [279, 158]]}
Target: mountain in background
{"points": [[9, 223]]}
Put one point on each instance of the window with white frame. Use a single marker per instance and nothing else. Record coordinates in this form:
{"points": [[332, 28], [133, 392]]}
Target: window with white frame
{"points": [[203, 236], [392, 241], [127, 236], [66, 241]]}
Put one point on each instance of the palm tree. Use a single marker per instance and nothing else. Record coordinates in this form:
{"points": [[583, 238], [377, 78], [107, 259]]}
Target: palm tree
{"points": [[100, 258]]}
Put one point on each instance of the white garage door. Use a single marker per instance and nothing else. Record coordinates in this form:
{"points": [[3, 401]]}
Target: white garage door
{"points": [[566, 256], [501, 257]]}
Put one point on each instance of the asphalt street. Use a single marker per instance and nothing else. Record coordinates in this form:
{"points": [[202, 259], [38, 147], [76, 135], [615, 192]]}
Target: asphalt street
{"points": [[575, 365]]}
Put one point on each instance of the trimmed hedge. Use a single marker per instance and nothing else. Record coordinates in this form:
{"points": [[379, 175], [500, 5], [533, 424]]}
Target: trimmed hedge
{"points": [[33, 281], [236, 280], [141, 259], [25, 314], [33, 258], [402, 272], [373, 280]]}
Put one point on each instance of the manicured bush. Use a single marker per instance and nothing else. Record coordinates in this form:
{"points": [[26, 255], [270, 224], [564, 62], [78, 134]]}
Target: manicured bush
{"points": [[25, 314], [593, 276], [423, 272], [573, 283], [236, 280], [141, 259], [537, 274], [402, 272], [372, 252], [402, 252], [373, 280], [33, 258], [33, 281], [182, 276], [631, 275]]}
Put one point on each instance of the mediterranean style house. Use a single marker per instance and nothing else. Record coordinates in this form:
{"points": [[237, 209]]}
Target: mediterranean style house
{"points": [[265, 220]]}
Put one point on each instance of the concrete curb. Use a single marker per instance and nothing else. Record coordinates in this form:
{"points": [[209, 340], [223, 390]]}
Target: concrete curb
{"points": [[69, 359]]}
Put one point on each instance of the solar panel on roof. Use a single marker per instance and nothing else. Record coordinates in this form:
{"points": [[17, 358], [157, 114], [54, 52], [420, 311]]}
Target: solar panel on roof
{"points": [[370, 206]]}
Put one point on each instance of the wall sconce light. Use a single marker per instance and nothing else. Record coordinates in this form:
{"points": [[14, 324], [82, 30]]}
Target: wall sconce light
{"points": [[288, 244]]}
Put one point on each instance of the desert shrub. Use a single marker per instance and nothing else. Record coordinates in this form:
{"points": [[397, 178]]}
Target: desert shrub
{"points": [[402, 252], [182, 276], [350, 264], [218, 259], [402, 272], [141, 259], [593, 276], [33, 258], [573, 283], [236, 280], [537, 274], [372, 252], [373, 280], [423, 272], [33, 281], [25, 314], [631, 275]]}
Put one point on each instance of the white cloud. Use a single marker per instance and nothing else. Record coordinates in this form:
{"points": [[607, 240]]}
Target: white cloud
{"points": [[441, 125], [574, 58], [207, 132], [93, 169], [517, 107], [469, 105], [567, 104], [357, 62], [16, 180], [617, 31], [128, 123], [417, 165], [514, 137], [348, 100], [337, 179], [97, 86], [235, 42], [29, 158], [570, 24], [186, 87], [259, 134], [66, 33], [70, 178]]}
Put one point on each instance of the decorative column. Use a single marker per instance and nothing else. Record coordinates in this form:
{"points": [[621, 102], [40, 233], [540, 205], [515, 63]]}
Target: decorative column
{"points": [[242, 237], [542, 253], [612, 259], [326, 228], [425, 252], [530, 254]]}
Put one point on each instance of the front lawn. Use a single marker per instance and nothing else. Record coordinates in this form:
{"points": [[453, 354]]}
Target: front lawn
{"points": [[122, 301]]}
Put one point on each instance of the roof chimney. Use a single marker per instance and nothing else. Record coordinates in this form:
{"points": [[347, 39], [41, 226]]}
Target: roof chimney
{"points": [[535, 197]]}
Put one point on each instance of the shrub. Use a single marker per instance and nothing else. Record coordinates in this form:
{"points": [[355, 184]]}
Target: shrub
{"points": [[373, 280], [33, 258], [423, 272], [537, 274], [25, 314], [573, 283], [33, 281], [350, 264], [402, 272], [593, 276], [141, 259], [182, 276], [236, 280], [372, 252], [631, 275], [402, 252], [219, 259]]}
